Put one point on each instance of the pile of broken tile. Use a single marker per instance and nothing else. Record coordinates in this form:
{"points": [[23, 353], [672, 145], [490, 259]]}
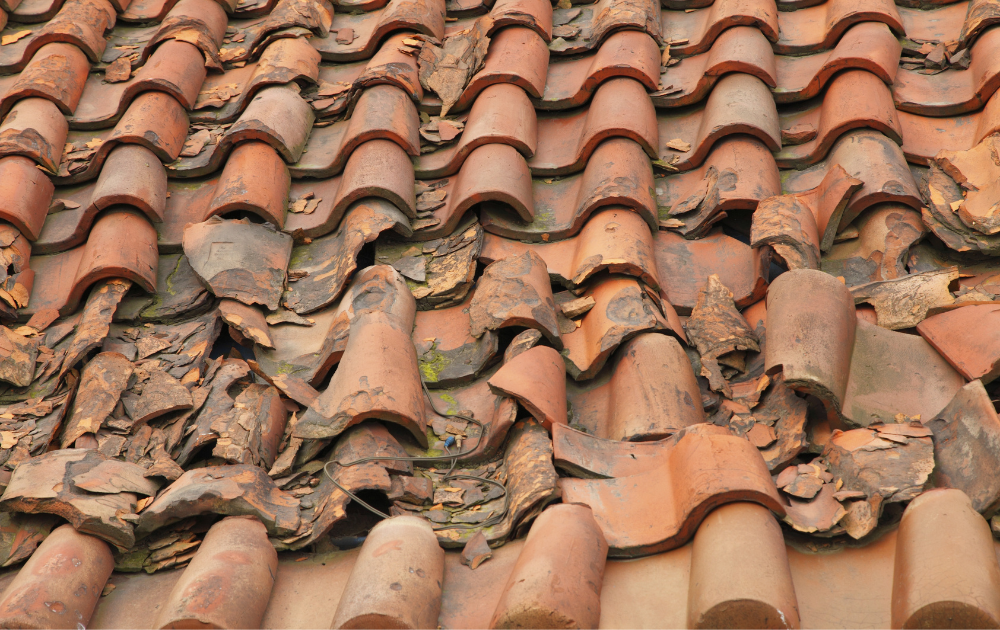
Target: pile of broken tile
{"points": [[462, 261]]}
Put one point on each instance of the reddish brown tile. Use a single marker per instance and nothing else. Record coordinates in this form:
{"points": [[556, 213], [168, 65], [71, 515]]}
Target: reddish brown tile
{"points": [[818, 28], [377, 168], [396, 579], [583, 455], [867, 46], [515, 291], [446, 350], [981, 15], [618, 172], [699, 29], [613, 239], [739, 104], [501, 114], [886, 233], [975, 171], [56, 72], [25, 196], [255, 179], [82, 23], [924, 137], [871, 157], [493, 174], [739, 49], [738, 172], [605, 17], [122, 244], [229, 580], [199, 22], [176, 68], [572, 81], [620, 108], [34, 128], [686, 265], [61, 583], [623, 310], [647, 392], [423, 16], [382, 112], [564, 540], [703, 470], [536, 379], [533, 14], [311, 15], [388, 65], [840, 110], [934, 24], [966, 338]]}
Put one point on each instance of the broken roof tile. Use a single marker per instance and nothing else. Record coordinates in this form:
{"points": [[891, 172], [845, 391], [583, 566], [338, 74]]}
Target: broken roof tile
{"points": [[867, 46], [596, 23], [34, 128], [686, 483], [965, 337], [515, 291], [422, 16], [840, 110], [695, 31], [200, 22], [924, 137], [82, 23], [619, 108], [447, 351], [647, 392], [980, 16], [618, 172], [741, 49], [536, 379], [571, 81], [738, 104], [56, 72], [885, 234], [26, 194]]}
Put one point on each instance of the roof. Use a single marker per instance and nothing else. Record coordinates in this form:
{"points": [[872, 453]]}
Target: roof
{"points": [[468, 313]]}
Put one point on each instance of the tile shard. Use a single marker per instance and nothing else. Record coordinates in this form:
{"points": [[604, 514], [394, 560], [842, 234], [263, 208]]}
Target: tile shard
{"points": [[534, 594], [536, 379], [238, 259], [396, 579], [606, 17], [515, 292], [966, 338], [102, 381], [716, 329], [687, 482], [905, 302], [234, 490]]}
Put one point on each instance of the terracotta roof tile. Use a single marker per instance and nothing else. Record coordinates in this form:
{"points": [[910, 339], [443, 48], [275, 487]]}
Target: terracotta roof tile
{"points": [[699, 29], [422, 16], [818, 28], [597, 23], [924, 137], [36, 129]]}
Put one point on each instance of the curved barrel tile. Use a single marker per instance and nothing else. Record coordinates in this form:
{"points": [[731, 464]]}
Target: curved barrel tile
{"points": [[493, 174], [448, 353], [810, 334], [573, 80], [229, 581], [647, 392], [869, 46], [698, 29], [36, 129], [501, 114], [38, 11], [176, 68], [377, 168], [620, 108], [283, 61], [422, 16], [586, 456], [685, 265], [82, 23], [618, 173], [622, 310], [981, 15], [154, 120], [817, 28], [57, 72], [309, 15], [515, 291], [396, 580], [616, 240], [383, 385], [924, 137], [740, 576], [934, 24], [799, 226], [881, 250], [25, 194], [741, 49], [516, 56], [156, 10], [388, 65], [704, 469], [200, 22], [951, 93], [255, 179], [946, 571], [536, 378], [739, 104], [121, 244], [599, 20], [60, 584], [871, 157], [382, 112], [967, 338], [854, 99], [533, 14], [564, 541], [277, 115], [738, 172]]}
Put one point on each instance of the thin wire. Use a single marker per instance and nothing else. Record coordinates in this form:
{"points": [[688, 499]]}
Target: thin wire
{"points": [[492, 520]]}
